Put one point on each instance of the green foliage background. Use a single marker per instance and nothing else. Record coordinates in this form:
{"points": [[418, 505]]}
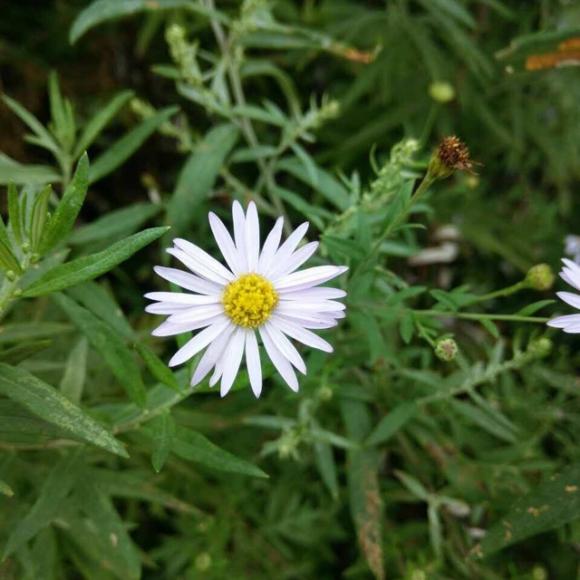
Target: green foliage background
{"points": [[390, 463]]}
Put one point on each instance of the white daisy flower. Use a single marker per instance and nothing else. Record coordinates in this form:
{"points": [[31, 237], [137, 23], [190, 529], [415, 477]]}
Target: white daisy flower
{"points": [[571, 275], [260, 294]]}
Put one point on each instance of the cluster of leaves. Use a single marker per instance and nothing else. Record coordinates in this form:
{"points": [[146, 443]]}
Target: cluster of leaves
{"points": [[390, 461]]}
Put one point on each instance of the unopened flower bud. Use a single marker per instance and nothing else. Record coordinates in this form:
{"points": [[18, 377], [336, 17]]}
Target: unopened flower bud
{"points": [[540, 347], [539, 573], [203, 562], [325, 393], [450, 156], [446, 349], [441, 91], [540, 277]]}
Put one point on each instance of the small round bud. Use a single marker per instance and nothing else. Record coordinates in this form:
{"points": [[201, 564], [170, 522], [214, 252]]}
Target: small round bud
{"points": [[17, 293], [11, 275], [540, 277], [539, 573], [418, 575], [203, 562], [325, 393], [25, 247], [441, 91], [540, 347], [446, 349]]}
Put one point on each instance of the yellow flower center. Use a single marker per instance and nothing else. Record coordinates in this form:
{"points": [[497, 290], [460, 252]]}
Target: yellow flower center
{"points": [[249, 300]]}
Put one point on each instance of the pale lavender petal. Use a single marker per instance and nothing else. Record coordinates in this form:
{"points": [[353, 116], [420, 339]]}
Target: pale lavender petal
{"points": [[196, 313], [210, 357], [285, 346], [181, 298], [217, 271], [225, 243], [197, 343], [310, 277], [270, 246], [232, 360], [301, 334], [253, 362], [188, 281], [252, 237], [280, 362], [293, 262]]}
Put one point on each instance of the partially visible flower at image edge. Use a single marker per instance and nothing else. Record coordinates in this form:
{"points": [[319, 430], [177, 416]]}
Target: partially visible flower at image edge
{"points": [[261, 293], [570, 323]]}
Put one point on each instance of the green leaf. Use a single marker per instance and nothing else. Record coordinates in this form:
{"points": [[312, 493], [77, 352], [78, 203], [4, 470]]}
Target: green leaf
{"points": [[53, 493], [44, 138], [39, 216], [5, 489], [114, 546], [392, 423], [157, 367], [92, 266], [21, 352], [102, 304], [162, 433], [48, 404], [198, 175], [194, 446], [102, 10], [94, 127], [117, 355], [29, 331], [68, 209], [551, 505], [75, 372], [484, 420], [413, 485], [320, 180], [15, 214], [115, 224], [12, 171], [326, 465], [122, 149], [63, 121]]}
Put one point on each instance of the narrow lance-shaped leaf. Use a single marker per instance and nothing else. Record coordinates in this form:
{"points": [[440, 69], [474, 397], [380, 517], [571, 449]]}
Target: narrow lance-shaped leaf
{"points": [[39, 215], [552, 504], [101, 120], [195, 447], [44, 138], [68, 208], [15, 213], [115, 225], [92, 266], [115, 547], [13, 172], [53, 493], [162, 434], [121, 150], [109, 344], [392, 423], [103, 10], [47, 403], [199, 175]]}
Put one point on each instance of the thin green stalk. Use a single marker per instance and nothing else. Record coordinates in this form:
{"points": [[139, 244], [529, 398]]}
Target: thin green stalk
{"points": [[502, 292], [479, 316]]}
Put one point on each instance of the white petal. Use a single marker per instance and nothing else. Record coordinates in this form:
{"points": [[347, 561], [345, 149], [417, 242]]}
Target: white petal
{"points": [[197, 343], [212, 354], [212, 269], [312, 294], [570, 278], [297, 307], [294, 261], [564, 321], [575, 329], [232, 360], [171, 328], [270, 246], [196, 313], [279, 361], [224, 242], [188, 281], [252, 237], [218, 370], [196, 267], [301, 334], [165, 308], [309, 277], [573, 266], [182, 298], [287, 248], [570, 298], [285, 346], [239, 235], [253, 362], [310, 320]]}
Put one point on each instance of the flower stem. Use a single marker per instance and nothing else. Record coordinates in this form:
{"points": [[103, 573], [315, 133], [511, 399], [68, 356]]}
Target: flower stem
{"points": [[479, 316]]}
